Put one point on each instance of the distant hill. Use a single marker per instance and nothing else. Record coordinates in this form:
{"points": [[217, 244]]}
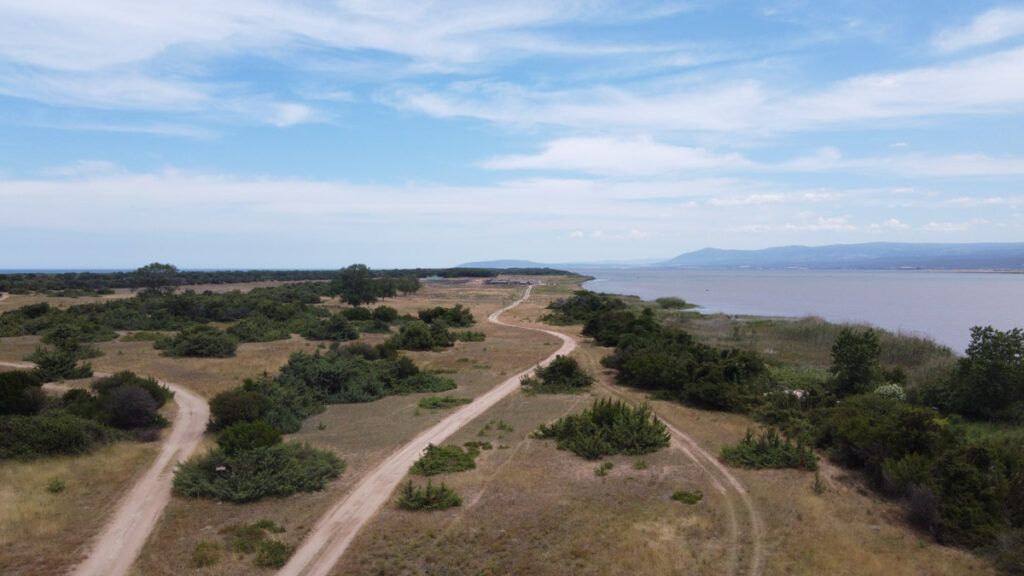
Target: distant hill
{"points": [[872, 256]]}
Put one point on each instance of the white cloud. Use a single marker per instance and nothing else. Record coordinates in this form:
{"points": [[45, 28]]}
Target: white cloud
{"points": [[612, 156], [752, 199], [821, 224], [892, 224], [953, 226], [576, 234], [986, 84], [987, 28]]}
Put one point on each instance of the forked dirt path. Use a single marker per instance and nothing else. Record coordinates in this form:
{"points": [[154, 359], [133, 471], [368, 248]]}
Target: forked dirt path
{"points": [[118, 545], [743, 533], [332, 534]]}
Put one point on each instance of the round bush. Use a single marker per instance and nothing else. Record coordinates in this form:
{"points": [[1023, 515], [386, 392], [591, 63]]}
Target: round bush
{"points": [[237, 405], [246, 436], [132, 407]]}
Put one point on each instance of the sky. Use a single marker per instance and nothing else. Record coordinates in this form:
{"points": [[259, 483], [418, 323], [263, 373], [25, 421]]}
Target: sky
{"points": [[284, 134]]}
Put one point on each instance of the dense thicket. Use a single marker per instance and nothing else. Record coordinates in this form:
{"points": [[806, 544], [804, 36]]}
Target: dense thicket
{"points": [[963, 480], [198, 341], [456, 316], [31, 426], [580, 306], [674, 364], [252, 474], [345, 375]]}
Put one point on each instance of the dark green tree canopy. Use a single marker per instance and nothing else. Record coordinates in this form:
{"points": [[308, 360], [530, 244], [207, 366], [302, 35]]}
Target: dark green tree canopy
{"points": [[855, 368], [156, 277]]}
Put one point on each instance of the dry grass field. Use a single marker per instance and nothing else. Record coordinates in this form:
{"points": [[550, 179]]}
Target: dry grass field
{"points": [[527, 508]]}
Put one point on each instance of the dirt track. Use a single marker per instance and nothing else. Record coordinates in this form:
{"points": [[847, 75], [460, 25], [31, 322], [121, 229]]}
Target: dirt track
{"points": [[330, 537], [116, 548]]}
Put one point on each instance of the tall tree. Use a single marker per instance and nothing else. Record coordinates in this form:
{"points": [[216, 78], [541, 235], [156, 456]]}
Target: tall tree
{"points": [[156, 277], [855, 368], [356, 285]]}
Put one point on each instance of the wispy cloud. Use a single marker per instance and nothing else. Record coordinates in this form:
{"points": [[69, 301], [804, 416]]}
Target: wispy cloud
{"points": [[987, 28], [612, 156]]}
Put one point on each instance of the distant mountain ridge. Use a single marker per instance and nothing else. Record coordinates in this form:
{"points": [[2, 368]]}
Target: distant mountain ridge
{"points": [[871, 256]]}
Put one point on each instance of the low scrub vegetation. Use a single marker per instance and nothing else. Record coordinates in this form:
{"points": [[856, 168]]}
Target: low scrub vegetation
{"points": [[444, 459], [563, 375], [429, 497], [608, 427], [199, 341], [687, 497], [769, 449], [359, 375], [252, 474], [442, 402]]}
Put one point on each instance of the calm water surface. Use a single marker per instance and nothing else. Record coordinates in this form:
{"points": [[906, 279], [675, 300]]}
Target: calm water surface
{"points": [[940, 305]]}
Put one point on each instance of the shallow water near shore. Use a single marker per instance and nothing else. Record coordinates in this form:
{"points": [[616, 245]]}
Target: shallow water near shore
{"points": [[942, 306]]}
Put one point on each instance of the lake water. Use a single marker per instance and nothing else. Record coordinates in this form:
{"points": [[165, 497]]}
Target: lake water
{"points": [[940, 305]]}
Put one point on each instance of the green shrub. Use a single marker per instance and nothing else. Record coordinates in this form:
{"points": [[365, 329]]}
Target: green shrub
{"points": [[160, 393], [273, 554], [457, 316], [385, 314], [562, 375], [199, 341], [603, 468], [608, 427], [142, 336], [289, 405], [54, 364], [258, 328], [335, 327], [56, 486], [238, 405], [253, 538], [20, 392], [669, 302], [441, 402], [206, 553], [339, 377], [688, 497], [247, 436], [580, 306], [769, 450], [250, 475], [442, 459], [418, 335], [50, 434], [469, 336], [428, 498], [132, 407]]}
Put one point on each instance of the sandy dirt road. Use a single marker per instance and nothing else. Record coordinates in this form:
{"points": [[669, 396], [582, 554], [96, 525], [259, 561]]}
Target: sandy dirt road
{"points": [[117, 547], [332, 534], [114, 551]]}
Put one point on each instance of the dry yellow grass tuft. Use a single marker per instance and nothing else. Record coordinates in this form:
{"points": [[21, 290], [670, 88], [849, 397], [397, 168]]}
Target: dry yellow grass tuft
{"points": [[44, 532]]}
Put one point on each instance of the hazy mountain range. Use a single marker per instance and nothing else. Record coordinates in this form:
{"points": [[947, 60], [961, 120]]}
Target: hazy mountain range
{"points": [[872, 256]]}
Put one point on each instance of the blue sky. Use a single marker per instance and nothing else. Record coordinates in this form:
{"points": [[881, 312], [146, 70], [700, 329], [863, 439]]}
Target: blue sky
{"points": [[262, 133]]}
